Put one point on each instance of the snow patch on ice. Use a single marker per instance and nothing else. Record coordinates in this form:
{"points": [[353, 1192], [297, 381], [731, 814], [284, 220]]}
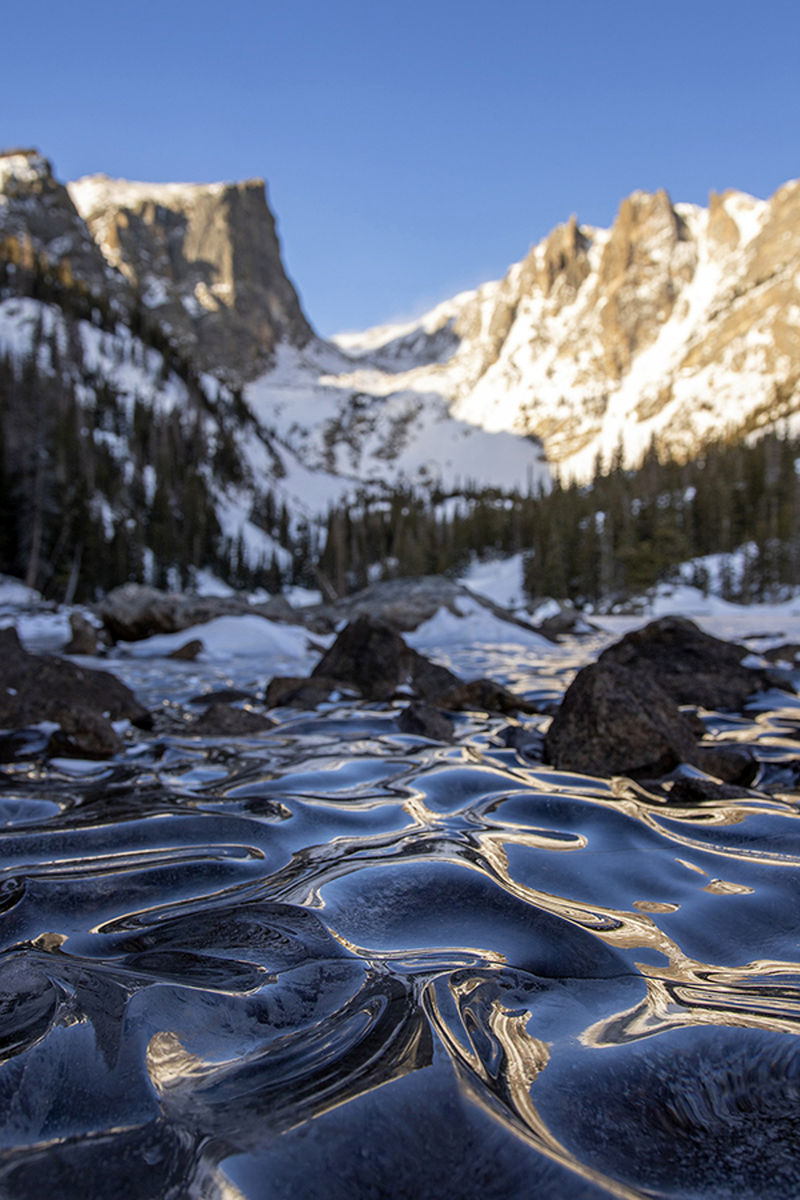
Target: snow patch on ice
{"points": [[247, 636]]}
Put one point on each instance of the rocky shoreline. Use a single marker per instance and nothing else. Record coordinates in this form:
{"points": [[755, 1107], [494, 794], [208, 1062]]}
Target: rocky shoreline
{"points": [[635, 712]]}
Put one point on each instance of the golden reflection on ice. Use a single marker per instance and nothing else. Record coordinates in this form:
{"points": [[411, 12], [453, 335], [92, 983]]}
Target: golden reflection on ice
{"points": [[694, 994], [502, 1085]]}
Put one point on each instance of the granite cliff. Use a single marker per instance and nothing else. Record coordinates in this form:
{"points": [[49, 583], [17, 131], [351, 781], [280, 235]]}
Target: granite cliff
{"points": [[205, 260], [678, 323]]}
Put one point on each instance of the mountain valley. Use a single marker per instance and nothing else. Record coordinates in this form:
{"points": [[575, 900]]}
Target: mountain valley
{"points": [[154, 347]]}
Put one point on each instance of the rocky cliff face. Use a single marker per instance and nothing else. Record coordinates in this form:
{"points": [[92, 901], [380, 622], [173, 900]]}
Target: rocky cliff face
{"points": [[679, 323], [39, 225], [205, 260]]}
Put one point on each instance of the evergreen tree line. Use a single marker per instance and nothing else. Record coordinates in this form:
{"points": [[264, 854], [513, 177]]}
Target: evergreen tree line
{"points": [[601, 542], [96, 490], [83, 505]]}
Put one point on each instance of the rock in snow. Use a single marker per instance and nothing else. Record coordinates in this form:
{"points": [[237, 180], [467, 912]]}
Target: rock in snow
{"points": [[370, 656]]}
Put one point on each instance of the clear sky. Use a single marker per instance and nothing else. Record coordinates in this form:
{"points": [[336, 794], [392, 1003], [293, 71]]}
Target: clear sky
{"points": [[411, 150]]}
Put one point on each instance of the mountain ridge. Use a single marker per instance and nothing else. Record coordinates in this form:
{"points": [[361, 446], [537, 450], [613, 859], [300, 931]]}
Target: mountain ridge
{"points": [[662, 325], [156, 324]]}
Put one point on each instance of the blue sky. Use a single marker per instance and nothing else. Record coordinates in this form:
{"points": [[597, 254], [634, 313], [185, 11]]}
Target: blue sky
{"points": [[411, 151]]}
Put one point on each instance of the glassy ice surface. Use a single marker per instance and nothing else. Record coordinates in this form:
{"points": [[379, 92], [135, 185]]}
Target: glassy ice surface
{"points": [[336, 960]]}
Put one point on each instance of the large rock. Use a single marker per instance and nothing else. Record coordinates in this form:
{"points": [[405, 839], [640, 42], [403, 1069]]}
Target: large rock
{"points": [[293, 691], [423, 720], [82, 702], [85, 637], [135, 611], [691, 666], [373, 657], [616, 721], [224, 720], [405, 604]]}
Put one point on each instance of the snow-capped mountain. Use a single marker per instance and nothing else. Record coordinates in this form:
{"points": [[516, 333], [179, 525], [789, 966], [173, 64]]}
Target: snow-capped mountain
{"points": [[679, 323], [164, 403], [205, 261], [170, 304]]}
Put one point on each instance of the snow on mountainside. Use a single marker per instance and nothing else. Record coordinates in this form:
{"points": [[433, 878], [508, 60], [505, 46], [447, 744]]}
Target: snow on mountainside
{"points": [[397, 436], [127, 453], [679, 323], [207, 264]]}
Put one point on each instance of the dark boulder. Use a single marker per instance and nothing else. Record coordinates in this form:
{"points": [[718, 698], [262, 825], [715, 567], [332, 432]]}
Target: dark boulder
{"points": [[691, 666], [39, 687], [85, 637], [222, 720], [84, 734], [134, 611], [567, 622], [692, 789], [616, 721], [372, 657], [423, 720], [487, 695], [297, 691], [727, 761], [789, 652], [404, 604], [188, 652]]}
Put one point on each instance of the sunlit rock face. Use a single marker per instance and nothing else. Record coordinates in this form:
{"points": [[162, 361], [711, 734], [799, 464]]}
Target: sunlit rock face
{"points": [[678, 323], [205, 259]]}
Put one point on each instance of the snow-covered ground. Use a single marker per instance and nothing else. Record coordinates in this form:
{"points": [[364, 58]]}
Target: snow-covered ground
{"points": [[500, 579], [251, 645], [228, 637]]}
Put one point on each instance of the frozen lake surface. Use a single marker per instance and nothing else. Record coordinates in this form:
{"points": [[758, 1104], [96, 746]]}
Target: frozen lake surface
{"points": [[336, 960]]}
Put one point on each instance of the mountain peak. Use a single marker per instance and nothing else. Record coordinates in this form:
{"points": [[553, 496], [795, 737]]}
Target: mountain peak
{"points": [[205, 258], [26, 167]]}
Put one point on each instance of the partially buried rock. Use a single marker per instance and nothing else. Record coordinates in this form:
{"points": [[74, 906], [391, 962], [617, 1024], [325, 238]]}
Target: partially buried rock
{"points": [[84, 734], [727, 761], [371, 656], [485, 694], [691, 666], [85, 637], [40, 687], [691, 789], [789, 652], [188, 652], [566, 622], [423, 720], [615, 721], [293, 691], [222, 720]]}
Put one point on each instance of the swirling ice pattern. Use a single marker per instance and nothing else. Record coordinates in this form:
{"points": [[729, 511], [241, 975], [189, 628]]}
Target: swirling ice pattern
{"points": [[337, 961]]}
